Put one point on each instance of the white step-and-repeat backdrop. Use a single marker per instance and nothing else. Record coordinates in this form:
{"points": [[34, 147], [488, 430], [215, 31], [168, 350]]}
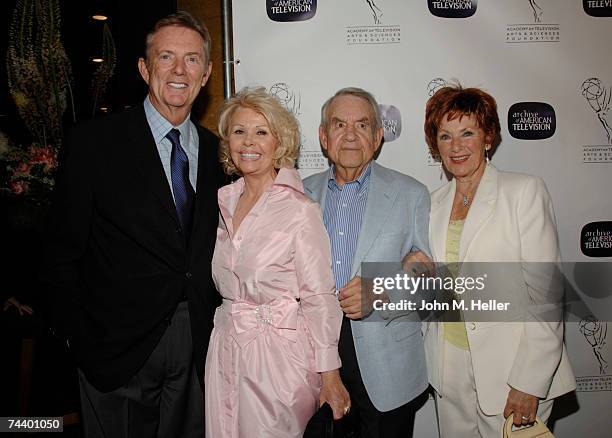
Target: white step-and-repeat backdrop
{"points": [[549, 65]]}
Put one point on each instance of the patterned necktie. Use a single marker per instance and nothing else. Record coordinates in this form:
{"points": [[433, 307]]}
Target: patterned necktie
{"points": [[181, 187]]}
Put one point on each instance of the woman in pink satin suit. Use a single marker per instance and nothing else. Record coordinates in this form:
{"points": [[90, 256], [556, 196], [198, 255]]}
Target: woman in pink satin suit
{"points": [[272, 358]]}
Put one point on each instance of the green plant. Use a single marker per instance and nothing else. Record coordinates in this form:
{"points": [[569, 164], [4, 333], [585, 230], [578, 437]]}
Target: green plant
{"points": [[39, 71]]}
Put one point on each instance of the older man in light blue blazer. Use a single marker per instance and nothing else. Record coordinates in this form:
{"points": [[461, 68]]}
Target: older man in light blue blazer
{"points": [[372, 214]]}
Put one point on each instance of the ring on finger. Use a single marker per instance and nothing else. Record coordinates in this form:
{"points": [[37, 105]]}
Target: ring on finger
{"points": [[524, 417], [347, 409]]}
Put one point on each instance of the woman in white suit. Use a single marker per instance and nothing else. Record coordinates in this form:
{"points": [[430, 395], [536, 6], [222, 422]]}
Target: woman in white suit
{"points": [[485, 371]]}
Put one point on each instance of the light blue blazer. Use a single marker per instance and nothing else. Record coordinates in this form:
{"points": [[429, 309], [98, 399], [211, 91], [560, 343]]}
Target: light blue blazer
{"points": [[390, 353]]}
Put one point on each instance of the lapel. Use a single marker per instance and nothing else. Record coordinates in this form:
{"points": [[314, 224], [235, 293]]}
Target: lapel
{"points": [[480, 211], [318, 191], [381, 198], [148, 162], [438, 219]]}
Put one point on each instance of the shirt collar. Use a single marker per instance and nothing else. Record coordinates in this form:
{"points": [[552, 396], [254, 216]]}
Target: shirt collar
{"points": [[228, 195], [160, 126], [288, 177], [361, 180]]}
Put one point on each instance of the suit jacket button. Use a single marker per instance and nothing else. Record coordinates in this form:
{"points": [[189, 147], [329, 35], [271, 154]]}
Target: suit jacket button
{"points": [[188, 275]]}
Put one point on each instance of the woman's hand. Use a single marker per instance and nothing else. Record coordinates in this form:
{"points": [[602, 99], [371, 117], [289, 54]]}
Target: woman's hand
{"points": [[335, 394], [417, 263], [524, 407]]}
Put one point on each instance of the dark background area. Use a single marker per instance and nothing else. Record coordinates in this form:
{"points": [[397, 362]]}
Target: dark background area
{"points": [[129, 22], [38, 377]]}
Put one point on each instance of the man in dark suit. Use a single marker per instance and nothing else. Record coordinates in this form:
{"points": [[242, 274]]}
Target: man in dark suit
{"points": [[131, 240]]}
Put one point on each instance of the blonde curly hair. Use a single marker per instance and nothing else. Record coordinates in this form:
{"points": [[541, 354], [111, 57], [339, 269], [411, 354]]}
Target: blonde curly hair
{"points": [[283, 125]]}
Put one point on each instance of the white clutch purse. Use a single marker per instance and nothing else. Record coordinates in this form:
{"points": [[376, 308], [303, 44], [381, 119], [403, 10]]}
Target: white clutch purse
{"points": [[537, 430]]}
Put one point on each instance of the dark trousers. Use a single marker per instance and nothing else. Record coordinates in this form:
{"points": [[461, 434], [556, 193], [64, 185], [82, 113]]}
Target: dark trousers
{"points": [[163, 399], [366, 420]]}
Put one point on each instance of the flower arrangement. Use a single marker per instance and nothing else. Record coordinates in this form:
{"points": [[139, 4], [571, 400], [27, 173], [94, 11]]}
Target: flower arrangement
{"points": [[40, 83], [29, 171], [39, 79]]}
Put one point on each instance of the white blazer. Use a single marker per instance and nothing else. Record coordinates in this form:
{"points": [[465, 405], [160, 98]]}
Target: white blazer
{"points": [[511, 220]]}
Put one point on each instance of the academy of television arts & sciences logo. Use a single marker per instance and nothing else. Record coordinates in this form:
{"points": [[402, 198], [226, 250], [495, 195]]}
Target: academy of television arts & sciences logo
{"points": [[598, 97], [379, 32], [537, 31]]}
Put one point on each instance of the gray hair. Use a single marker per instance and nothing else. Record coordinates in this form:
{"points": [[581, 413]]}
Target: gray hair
{"points": [[357, 92]]}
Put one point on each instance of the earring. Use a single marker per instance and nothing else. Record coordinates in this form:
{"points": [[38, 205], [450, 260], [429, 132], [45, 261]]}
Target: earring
{"points": [[487, 147]]}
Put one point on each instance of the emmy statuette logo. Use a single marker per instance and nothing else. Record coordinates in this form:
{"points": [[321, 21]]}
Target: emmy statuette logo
{"points": [[434, 85], [595, 333], [377, 13], [291, 99], [598, 97], [537, 11], [310, 157]]}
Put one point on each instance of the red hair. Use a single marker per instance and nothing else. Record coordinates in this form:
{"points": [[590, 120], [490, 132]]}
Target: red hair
{"points": [[455, 101]]}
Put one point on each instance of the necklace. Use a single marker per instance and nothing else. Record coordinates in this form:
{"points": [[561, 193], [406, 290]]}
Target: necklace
{"points": [[465, 199], [472, 185]]}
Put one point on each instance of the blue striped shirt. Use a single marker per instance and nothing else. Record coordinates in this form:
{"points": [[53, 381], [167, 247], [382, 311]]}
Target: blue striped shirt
{"points": [[342, 215], [190, 141]]}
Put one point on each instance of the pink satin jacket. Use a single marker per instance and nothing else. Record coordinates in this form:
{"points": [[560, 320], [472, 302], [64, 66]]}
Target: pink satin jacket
{"points": [[279, 323]]}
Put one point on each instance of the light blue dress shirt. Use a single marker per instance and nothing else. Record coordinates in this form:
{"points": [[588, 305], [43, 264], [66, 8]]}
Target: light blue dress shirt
{"points": [[342, 216], [190, 141]]}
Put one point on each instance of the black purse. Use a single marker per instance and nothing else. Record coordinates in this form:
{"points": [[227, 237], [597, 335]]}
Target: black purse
{"points": [[321, 424]]}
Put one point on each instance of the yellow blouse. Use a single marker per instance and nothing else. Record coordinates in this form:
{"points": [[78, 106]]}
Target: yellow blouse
{"points": [[454, 332]]}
